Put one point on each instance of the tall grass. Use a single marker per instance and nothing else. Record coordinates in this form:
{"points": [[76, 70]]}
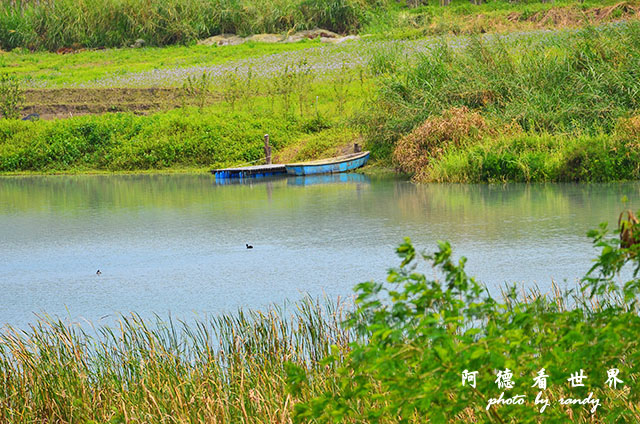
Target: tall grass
{"points": [[113, 23], [572, 83], [229, 368]]}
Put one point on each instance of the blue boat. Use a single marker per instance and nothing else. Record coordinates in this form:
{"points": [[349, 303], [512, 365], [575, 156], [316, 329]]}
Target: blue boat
{"points": [[258, 171], [329, 166]]}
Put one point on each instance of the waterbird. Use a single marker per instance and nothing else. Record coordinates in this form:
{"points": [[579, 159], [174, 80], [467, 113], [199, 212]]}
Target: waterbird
{"points": [[248, 246], [31, 117], [98, 272]]}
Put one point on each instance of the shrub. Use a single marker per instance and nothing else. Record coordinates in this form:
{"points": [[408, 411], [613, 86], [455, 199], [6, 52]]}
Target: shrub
{"points": [[415, 151], [419, 334], [11, 96]]}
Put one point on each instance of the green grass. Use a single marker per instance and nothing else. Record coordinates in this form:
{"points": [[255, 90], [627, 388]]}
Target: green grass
{"points": [[112, 23], [185, 138], [566, 92], [539, 158], [125, 142], [294, 106], [229, 368], [86, 66]]}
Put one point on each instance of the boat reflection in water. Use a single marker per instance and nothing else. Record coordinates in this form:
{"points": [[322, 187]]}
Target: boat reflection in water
{"points": [[328, 179], [250, 181], [308, 180]]}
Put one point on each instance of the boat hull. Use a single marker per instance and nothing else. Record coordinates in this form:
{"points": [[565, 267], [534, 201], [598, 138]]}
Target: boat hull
{"points": [[333, 167], [258, 171]]}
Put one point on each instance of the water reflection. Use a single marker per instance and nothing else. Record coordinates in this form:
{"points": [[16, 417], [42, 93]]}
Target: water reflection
{"points": [[177, 242], [329, 179]]}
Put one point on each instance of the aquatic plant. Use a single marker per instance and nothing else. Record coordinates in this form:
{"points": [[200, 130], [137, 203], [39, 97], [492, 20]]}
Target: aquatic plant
{"points": [[228, 368]]}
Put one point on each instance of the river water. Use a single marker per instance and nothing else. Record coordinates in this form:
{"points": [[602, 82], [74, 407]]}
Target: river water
{"points": [[176, 243]]}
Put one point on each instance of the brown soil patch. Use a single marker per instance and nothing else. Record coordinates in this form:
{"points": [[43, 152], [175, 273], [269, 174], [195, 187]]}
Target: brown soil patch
{"points": [[67, 102]]}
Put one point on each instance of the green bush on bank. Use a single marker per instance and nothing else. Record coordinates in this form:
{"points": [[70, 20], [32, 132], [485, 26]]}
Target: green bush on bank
{"points": [[420, 333], [124, 141], [539, 158]]}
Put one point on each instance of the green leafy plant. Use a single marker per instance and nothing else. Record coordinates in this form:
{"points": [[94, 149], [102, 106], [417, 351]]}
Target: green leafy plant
{"points": [[11, 96], [417, 335], [197, 88]]}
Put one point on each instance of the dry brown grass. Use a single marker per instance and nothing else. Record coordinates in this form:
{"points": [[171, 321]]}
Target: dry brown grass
{"points": [[415, 151], [555, 17], [629, 128]]}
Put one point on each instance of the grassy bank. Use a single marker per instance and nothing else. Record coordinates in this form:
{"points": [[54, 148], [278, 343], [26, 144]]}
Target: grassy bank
{"points": [[213, 119], [523, 106], [549, 108], [539, 157], [397, 355], [173, 140]]}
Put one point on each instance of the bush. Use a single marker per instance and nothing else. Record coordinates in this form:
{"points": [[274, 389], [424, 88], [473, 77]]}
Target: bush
{"points": [[11, 96], [419, 335], [427, 142]]}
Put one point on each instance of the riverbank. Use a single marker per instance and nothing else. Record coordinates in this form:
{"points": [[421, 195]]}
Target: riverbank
{"points": [[209, 107]]}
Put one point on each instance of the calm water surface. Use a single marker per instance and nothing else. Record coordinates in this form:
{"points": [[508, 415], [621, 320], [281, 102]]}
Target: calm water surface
{"points": [[176, 243]]}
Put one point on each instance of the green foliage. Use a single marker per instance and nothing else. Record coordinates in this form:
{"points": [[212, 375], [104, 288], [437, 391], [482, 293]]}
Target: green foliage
{"points": [[419, 334], [115, 23], [573, 82], [532, 157], [11, 96], [123, 141]]}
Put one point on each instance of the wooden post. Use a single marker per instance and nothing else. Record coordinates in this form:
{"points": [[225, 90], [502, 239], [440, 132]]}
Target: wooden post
{"points": [[267, 149]]}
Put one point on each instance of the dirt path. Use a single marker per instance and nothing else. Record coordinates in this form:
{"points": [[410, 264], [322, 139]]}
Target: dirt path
{"points": [[67, 102]]}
